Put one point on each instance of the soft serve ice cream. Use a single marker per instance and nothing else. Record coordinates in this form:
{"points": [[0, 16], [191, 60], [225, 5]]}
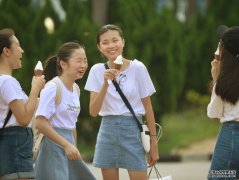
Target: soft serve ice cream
{"points": [[118, 62], [38, 69]]}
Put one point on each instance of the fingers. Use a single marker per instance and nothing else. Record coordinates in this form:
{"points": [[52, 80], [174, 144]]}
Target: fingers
{"points": [[75, 156], [152, 160], [215, 62], [110, 74]]}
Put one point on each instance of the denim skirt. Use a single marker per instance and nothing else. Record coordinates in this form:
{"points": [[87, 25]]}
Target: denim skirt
{"points": [[225, 159], [16, 153], [119, 144], [52, 163]]}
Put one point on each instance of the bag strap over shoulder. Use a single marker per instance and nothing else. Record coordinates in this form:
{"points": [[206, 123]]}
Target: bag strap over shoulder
{"points": [[77, 88], [58, 91], [125, 100]]}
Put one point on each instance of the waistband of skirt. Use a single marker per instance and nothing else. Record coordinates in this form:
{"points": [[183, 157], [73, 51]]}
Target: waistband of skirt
{"points": [[231, 123], [15, 129]]}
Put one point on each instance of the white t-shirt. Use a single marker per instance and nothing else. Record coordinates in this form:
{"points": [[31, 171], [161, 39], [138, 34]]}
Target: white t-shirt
{"points": [[217, 108], [10, 89], [135, 83], [63, 115]]}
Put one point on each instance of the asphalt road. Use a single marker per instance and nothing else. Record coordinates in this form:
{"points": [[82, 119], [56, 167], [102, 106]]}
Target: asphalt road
{"points": [[186, 170]]}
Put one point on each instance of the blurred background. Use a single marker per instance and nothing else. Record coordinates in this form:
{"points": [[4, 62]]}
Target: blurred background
{"points": [[175, 39]]}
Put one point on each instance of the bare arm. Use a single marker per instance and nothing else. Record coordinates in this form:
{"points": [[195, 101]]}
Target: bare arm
{"points": [[149, 115], [75, 136], [24, 112], [44, 127], [96, 100]]}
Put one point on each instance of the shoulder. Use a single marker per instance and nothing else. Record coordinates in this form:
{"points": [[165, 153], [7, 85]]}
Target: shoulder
{"points": [[6, 78], [53, 84], [76, 86], [8, 81], [137, 64], [97, 67]]}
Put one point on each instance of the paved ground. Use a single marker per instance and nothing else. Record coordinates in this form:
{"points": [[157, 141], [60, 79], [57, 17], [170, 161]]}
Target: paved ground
{"points": [[186, 170]]}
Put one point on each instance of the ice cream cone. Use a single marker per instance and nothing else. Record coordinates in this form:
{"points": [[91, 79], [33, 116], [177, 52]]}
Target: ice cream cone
{"points": [[118, 62], [38, 72], [38, 69], [117, 66], [217, 56]]}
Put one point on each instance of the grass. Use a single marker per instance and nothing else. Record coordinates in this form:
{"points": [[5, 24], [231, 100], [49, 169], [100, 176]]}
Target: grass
{"points": [[184, 128]]}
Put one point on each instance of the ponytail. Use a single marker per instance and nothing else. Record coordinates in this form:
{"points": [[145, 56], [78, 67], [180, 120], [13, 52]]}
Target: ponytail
{"points": [[50, 68]]}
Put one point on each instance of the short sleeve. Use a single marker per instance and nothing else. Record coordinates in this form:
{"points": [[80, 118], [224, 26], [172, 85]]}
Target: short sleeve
{"points": [[146, 87], [47, 104], [95, 78], [11, 90]]}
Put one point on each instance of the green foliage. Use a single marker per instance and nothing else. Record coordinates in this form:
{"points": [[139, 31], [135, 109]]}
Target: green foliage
{"points": [[196, 99], [183, 128], [177, 54]]}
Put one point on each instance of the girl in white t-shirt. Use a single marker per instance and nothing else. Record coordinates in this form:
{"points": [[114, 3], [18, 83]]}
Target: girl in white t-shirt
{"points": [[16, 111], [59, 157], [118, 141]]}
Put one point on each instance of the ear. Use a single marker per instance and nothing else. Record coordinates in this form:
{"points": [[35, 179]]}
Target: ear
{"points": [[123, 41], [6, 51], [63, 64], [99, 48]]}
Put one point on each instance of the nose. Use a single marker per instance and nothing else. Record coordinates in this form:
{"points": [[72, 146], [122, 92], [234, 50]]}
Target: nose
{"points": [[84, 64]]}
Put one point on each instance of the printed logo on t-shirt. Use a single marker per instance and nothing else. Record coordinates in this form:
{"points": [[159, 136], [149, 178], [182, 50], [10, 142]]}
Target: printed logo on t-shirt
{"points": [[73, 108], [122, 78]]}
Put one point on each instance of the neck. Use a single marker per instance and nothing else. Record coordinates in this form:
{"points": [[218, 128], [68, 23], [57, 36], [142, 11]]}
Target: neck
{"points": [[4, 68], [67, 82], [124, 65]]}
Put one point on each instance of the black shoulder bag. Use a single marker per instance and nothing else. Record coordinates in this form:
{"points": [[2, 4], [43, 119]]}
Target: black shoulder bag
{"points": [[145, 134]]}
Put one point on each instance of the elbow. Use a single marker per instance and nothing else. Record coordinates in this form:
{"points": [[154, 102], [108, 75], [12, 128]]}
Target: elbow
{"points": [[212, 115], [38, 124], [24, 124], [93, 113]]}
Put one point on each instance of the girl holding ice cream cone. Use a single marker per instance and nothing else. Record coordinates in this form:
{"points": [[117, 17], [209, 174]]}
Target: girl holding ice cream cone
{"points": [[118, 141], [16, 112]]}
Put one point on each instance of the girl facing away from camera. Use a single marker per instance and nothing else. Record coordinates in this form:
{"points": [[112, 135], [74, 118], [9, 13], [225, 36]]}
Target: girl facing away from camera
{"points": [[224, 105], [59, 158], [16, 112], [118, 142]]}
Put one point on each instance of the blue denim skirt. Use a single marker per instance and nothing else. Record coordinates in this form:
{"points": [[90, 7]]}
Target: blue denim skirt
{"points": [[225, 159], [52, 163], [119, 144], [16, 153]]}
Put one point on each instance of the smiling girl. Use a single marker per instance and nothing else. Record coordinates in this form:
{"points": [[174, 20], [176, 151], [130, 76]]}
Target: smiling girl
{"points": [[118, 141], [16, 112], [59, 157]]}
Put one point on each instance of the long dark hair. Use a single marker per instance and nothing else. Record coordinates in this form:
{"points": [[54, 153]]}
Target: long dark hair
{"points": [[5, 38], [52, 66], [227, 84]]}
